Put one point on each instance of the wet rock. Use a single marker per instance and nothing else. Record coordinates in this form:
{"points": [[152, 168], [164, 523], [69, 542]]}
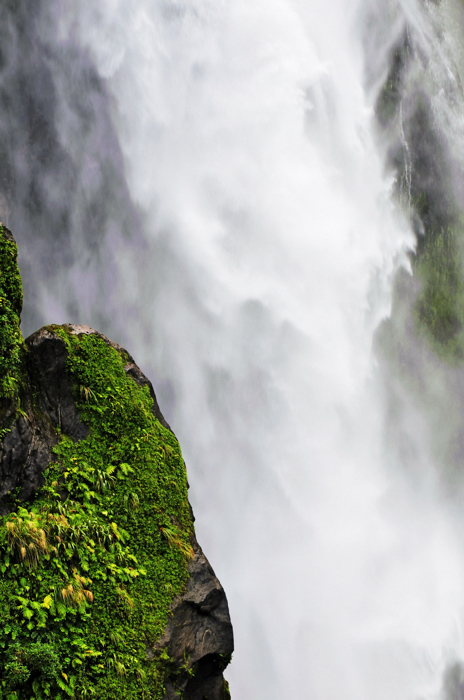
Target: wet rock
{"points": [[47, 362], [199, 637], [25, 451]]}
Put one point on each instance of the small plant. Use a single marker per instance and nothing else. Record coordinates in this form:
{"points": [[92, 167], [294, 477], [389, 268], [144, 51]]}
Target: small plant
{"points": [[37, 661], [86, 393], [173, 536], [16, 673], [115, 665], [125, 598], [26, 537], [74, 594]]}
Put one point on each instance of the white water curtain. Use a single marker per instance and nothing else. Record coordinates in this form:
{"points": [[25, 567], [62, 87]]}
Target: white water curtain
{"points": [[271, 246]]}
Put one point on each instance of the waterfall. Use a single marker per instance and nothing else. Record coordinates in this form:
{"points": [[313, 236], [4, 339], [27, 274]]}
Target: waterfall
{"points": [[232, 218]]}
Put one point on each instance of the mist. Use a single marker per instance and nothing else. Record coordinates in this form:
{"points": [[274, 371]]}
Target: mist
{"points": [[212, 185]]}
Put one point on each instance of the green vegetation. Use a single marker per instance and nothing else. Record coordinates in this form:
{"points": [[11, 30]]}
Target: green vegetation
{"points": [[424, 188], [11, 299], [90, 567], [439, 308]]}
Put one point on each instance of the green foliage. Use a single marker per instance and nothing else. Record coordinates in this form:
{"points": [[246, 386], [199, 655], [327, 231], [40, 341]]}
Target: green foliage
{"points": [[90, 568], [11, 296], [439, 308], [36, 662]]}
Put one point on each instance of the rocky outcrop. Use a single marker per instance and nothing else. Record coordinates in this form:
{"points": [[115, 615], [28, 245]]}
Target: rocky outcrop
{"points": [[198, 637], [49, 407]]}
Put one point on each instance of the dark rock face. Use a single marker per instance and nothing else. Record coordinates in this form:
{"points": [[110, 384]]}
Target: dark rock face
{"points": [[453, 682], [24, 455], [198, 637], [47, 361], [26, 449]]}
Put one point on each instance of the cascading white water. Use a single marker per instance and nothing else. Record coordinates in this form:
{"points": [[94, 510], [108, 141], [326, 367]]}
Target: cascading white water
{"points": [[271, 245]]}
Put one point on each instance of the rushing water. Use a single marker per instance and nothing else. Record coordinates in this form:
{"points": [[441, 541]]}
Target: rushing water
{"points": [[246, 255]]}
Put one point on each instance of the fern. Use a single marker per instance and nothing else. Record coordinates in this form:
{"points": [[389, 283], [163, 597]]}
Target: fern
{"points": [[175, 540]]}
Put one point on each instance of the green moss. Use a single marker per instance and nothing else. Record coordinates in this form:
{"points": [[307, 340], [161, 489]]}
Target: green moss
{"points": [[90, 568], [11, 297], [440, 306], [424, 187]]}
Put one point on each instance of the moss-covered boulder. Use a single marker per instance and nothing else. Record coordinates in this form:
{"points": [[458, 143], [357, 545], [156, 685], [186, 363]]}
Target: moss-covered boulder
{"points": [[104, 591]]}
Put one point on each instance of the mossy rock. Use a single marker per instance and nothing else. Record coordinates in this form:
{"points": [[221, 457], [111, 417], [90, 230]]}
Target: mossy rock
{"points": [[425, 177], [104, 591], [439, 308]]}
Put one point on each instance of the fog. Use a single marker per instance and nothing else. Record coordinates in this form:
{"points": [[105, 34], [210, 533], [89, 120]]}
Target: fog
{"points": [[207, 183]]}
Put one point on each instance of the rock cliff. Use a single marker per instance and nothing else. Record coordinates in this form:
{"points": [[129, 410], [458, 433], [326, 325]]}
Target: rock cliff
{"points": [[104, 590]]}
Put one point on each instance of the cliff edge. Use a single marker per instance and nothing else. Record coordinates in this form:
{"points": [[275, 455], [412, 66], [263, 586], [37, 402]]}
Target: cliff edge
{"points": [[104, 590]]}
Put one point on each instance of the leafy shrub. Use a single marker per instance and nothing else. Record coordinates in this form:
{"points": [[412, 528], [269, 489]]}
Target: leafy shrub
{"points": [[90, 568]]}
